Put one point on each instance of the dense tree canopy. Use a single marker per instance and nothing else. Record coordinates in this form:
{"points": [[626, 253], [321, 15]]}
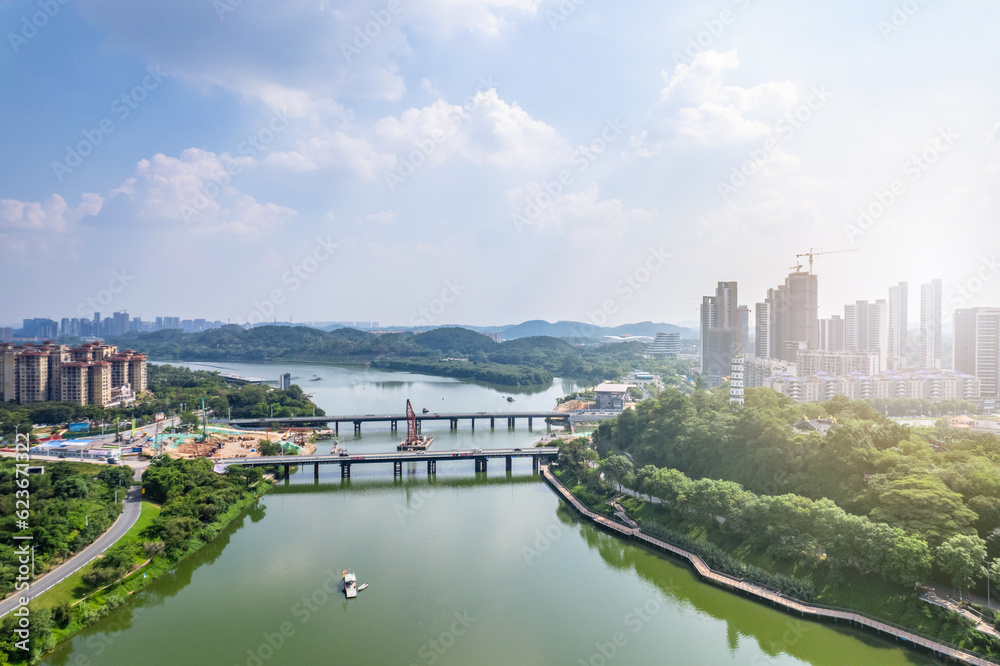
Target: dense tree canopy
{"points": [[866, 464]]}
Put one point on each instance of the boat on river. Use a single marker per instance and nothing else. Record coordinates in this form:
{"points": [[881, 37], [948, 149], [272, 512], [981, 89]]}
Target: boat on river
{"points": [[350, 584]]}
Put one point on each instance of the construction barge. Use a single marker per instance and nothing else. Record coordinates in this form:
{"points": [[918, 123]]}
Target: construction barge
{"points": [[414, 441], [420, 443]]}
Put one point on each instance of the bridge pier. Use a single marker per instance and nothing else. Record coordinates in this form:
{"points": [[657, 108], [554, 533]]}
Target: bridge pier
{"points": [[534, 464], [393, 427], [529, 423], [397, 469], [431, 467], [492, 423], [510, 422], [510, 462], [454, 424], [316, 472], [473, 423], [357, 427], [286, 470], [345, 470], [481, 465]]}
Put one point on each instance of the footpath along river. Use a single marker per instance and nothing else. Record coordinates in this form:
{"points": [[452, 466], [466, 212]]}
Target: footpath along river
{"points": [[463, 568]]}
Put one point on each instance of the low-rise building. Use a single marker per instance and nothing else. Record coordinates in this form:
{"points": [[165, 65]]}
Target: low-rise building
{"points": [[611, 397], [907, 383]]}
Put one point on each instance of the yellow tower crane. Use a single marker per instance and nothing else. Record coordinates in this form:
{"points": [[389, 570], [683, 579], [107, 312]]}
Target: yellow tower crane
{"points": [[812, 254]]}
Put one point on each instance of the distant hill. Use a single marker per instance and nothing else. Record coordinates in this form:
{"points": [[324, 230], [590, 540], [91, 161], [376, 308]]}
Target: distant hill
{"points": [[560, 329], [526, 361], [575, 329]]}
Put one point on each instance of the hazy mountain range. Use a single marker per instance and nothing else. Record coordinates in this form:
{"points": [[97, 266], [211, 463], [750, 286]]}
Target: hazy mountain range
{"points": [[559, 329]]}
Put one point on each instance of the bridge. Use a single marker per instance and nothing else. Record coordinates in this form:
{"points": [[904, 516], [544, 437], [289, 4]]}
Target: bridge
{"points": [[397, 458], [394, 419]]}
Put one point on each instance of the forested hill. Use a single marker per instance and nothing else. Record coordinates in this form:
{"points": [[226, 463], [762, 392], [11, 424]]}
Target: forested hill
{"points": [[936, 486], [526, 361]]}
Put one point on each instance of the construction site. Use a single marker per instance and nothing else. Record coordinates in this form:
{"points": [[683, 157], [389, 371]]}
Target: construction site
{"points": [[223, 442]]}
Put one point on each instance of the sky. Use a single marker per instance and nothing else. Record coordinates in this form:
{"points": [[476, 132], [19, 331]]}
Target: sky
{"points": [[422, 162]]}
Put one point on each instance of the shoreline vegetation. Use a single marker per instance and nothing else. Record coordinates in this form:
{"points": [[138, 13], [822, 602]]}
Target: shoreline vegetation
{"points": [[748, 586], [867, 517], [185, 506], [169, 388]]}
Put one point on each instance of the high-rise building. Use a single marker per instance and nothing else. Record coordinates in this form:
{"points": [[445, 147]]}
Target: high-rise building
{"points": [[720, 333], [866, 328], [744, 317], [763, 329], [85, 375], [977, 347], [665, 344], [831, 333], [788, 320], [930, 324], [285, 380], [898, 338]]}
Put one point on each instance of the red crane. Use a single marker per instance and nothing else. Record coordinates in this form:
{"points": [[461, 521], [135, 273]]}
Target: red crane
{"points": [[411, 424]]}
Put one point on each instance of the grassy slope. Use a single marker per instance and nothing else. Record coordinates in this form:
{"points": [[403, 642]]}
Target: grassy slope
{"points": [[138, 579], [72, 589]]}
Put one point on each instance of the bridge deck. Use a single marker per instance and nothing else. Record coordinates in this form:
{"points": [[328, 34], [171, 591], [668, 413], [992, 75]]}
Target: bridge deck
{"points": [[431, 416], [763, 594], [395, 456]]}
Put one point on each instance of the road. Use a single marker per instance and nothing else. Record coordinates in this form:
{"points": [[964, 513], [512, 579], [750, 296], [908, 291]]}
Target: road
{"points": [[404, 456], [125, 521]]}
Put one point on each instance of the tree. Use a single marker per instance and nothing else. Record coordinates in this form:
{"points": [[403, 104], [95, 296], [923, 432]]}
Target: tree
{"points": [[993, 574], [960, 558], [574, 456], [616, 469], [923, 504], [267, 448], [189, 419]]}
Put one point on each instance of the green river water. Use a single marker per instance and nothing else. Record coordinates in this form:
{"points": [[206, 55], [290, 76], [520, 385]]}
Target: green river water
{"points": [[463, 568]]}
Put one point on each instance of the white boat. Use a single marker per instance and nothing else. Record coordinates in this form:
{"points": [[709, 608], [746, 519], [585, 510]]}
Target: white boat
{"points": [[362, 586], [350, 584]]}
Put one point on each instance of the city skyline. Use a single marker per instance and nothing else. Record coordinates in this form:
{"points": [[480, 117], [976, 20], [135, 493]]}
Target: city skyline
{"points": [[952, 301], [201, 178]]}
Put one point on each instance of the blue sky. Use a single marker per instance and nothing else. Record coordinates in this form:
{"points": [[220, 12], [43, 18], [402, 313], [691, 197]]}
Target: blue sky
{"points": [[490, 161]]}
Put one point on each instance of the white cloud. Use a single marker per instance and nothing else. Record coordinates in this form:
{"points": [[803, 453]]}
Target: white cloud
{"points": [[377, 219], [697, 108], [196, 191], [51, 216], [484, 16], [581, 215], [484, 130], [298, 56], [335, 150]]}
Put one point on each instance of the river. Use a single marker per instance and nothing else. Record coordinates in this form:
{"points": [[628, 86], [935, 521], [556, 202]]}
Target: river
{"points": [[462, 570]]}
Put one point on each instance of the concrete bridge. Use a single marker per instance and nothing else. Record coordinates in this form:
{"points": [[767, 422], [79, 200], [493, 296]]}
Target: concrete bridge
{"points": [[394, 419], [397, 458]]}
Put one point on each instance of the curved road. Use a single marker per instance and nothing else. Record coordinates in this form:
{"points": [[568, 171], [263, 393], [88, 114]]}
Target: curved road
{"points": [[124, 522]]}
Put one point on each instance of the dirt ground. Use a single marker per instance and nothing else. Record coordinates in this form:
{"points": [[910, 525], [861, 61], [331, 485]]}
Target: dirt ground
{"points": [[574, 404], [226, 445]]}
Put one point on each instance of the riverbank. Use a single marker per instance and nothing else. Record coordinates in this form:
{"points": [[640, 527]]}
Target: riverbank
{"points": [[62, 612], [764, 595]]}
